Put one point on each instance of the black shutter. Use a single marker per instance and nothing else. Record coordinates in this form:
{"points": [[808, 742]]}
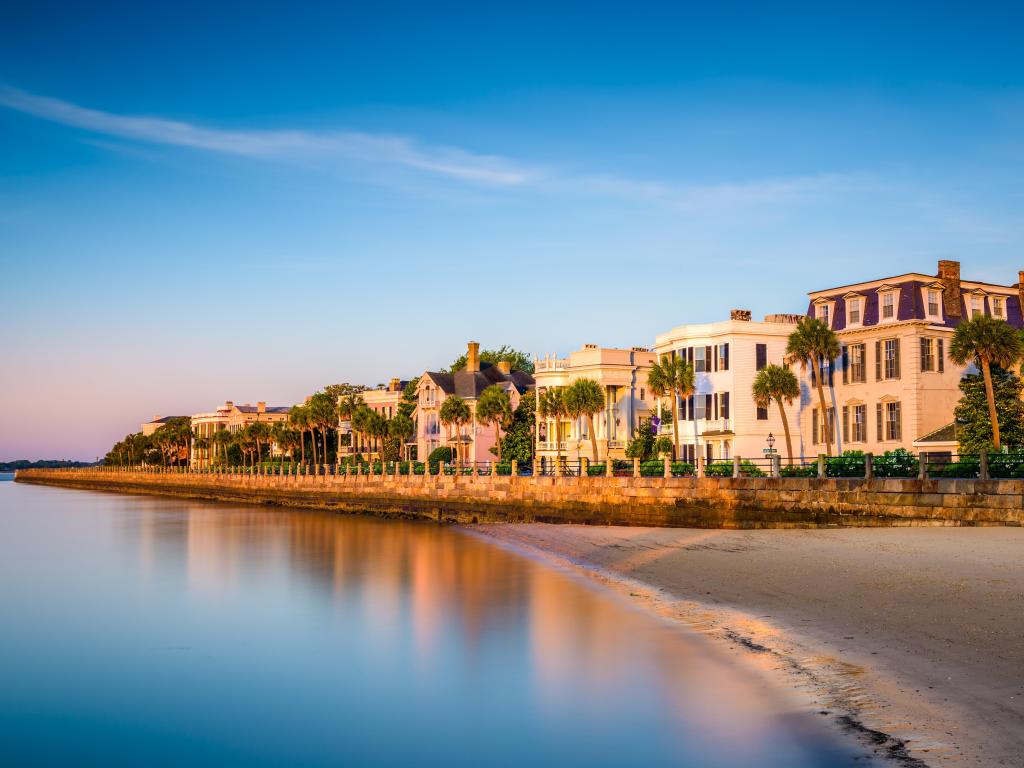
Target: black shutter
{"points": [[940, 354], [896, 359], [878, 362], [707, 358], [715, 368], [878, 414], [831, 372], [846, 424], [725, 405], [924, 354], [716, 397], [725, 357], [708, 406], [846, 365], [761, 356], [814, 426]]}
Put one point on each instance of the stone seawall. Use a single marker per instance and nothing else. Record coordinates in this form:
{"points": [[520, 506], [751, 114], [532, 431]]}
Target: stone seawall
{"points": [[679, 502]]}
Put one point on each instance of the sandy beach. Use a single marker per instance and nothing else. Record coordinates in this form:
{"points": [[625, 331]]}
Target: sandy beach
{"points": [[912, 636]]}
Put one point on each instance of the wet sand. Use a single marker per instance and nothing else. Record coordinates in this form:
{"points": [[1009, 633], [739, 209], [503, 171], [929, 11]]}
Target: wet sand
{"points": [[913, 637]]}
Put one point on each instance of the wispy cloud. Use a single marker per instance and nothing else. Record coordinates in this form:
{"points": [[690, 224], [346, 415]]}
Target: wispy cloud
{"points": [[353, 145], [436, 160]]}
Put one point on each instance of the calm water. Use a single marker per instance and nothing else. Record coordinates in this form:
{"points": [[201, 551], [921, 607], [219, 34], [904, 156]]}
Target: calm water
{"points": [[147, 631]]}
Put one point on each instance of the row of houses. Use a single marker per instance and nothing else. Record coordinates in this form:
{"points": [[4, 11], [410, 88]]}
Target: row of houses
{"points": [[893, 386]]}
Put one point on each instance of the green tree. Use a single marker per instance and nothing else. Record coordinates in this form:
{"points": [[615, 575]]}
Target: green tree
{"points": [[520, 361], [338, 391], [375, 424], [584, 398], [410, 398], [642, 446], [323, 416], [814, 345], [552, 406], [286, 437], [298, 417], [518, 442], [222, 440], [778, 383], [988, 342], [455, 413], [672, 377], [260, 434], [495, 408], [401, 427], [973, 416], [347, 407]]}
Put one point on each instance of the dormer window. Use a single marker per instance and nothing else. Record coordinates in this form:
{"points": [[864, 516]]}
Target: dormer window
{"points": [[888, 305], [854, 310], [823, 315], [934, 302], [998, 308], [976, 306]]}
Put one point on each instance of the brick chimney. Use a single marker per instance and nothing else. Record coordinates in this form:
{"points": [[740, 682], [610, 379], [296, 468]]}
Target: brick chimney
{"points": [[505, 367], [229, 403], [473, 357], [740, 314], [393, 385], [949, 275], [261, 407], [1020, 287]]}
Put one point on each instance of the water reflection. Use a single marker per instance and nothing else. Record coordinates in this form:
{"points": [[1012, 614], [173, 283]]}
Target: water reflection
{"points": [[160, 630]]}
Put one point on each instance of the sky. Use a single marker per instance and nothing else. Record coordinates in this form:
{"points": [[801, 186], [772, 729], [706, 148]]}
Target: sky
{"points": [[248, 201]]}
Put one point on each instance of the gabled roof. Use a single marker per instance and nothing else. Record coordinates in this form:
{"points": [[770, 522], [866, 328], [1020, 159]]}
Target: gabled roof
{"points": [[946, 434], [164, 419], [470, 384]]}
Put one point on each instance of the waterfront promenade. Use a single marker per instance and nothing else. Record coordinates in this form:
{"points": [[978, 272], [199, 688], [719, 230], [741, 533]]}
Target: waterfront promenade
{"points": [[700, 502]]}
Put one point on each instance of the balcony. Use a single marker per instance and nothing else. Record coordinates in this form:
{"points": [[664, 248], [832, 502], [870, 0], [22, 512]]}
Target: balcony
{"points": [[704, 427], [550, 365]]}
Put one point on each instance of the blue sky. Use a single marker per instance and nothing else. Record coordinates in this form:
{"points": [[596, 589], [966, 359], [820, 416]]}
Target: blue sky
{"points": [[251, 201]]}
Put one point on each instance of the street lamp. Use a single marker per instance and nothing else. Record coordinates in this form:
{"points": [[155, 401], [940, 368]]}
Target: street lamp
{"points": [[771, 442]]}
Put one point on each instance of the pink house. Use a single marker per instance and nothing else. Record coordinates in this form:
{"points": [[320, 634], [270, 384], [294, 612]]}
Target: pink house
{"points": [[476, 440]]}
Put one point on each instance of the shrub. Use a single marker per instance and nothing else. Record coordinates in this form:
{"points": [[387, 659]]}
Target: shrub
{"points": [[898, 463], [652, 469], [681, 469], [504, 468], [850, 464], [442, 455], [719, 469], [798, 471], [596, 470]]}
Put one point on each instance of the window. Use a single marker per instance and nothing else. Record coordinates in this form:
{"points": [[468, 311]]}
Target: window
{"points": [[818, 426], [761, 356], [927, 355], [887, 359], [700, 407], [888, 305], [892, 421], [724, 410], [976, 308], [853, 311], [855, 364], [723, 357], [700, 362], [762, 414], [997, 307], [641, 393], [859, 432], [933, 303], [823, 314]]}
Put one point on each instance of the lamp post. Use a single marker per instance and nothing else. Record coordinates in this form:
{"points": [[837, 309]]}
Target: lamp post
{"points": [[771, 443]]}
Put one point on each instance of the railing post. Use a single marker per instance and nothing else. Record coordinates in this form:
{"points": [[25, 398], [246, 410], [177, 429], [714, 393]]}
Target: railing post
{"points": [[922, 466], [869, 466], [515, 468], [636, 467], [609, 467], [776, 465], [584, 466], [735, 466], [667, 467], [983, 466], [821, 465]]}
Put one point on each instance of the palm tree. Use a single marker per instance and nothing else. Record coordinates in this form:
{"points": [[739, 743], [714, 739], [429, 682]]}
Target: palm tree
{"points": [[778, 383], [222, 439], [494, 407], [552, 406], [672, 377], [402, 428], [812, 344], [260, 433], [989, 342], [377, 426], [455, 412], [585, 397], [299, 417], [323, 416]]}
